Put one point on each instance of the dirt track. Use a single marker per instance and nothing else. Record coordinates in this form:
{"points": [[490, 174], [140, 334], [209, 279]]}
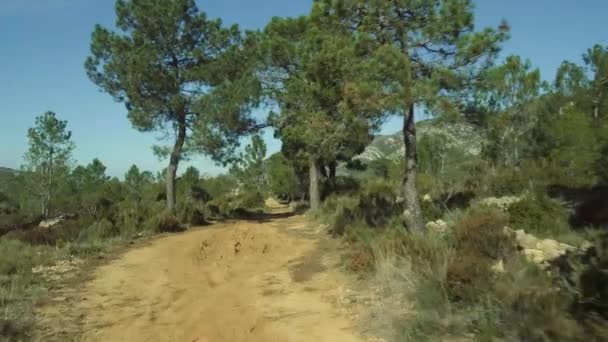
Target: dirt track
{"points": [[243, 281]]}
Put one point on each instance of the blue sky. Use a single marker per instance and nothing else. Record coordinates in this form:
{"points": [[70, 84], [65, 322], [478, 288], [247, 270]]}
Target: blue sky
{"points": [[43, 44]]}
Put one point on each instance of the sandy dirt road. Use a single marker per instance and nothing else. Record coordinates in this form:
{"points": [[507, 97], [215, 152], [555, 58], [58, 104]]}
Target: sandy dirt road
{"points": [[274, 280]]}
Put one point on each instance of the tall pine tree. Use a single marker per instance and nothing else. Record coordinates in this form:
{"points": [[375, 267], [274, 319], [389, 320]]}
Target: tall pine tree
{"points": [[444, 54], [177, 72], [48, 157], [317, 72]]}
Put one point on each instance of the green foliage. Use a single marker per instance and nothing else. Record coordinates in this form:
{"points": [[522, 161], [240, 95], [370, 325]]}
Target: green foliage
{"points": [[202, 88], [99, 230], [19, 288], [374, 206], [592, 306], [47, 160], [191, 213], [511, 91], [249, 169], [219, 186], [575, 148], [431, 211], [456, 294], [337, 212], [539, 215], [479, 241], [165, 223], [283, 180], [86, 184], [321, 77]]}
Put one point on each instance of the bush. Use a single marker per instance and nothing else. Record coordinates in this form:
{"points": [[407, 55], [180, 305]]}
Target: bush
{"points": [[189, 213], [506, 182], [19, 257], [479, 241], [374, 207], [430, 210], [340, 185], [338, 213], [249, 200], [482, 232], [166, 223], [585, 275], [378, 204], [99, 230], [540, 215]]}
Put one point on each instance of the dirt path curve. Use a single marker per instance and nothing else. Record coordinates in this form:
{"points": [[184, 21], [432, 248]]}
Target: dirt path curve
{"points": [[243, 281]]}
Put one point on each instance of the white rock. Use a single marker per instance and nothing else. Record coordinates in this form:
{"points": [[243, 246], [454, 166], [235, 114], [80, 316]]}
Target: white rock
{"points": [[534, 255], [527, 241], [499, 267], [45, 224], [442, 224]]}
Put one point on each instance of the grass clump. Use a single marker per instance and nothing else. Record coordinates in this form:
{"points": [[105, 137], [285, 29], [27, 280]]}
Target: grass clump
{"points": [[20, 287], [540, 215]]}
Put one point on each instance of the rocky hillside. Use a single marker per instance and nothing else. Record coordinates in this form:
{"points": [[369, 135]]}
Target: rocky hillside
{"points": [[456, 134]]}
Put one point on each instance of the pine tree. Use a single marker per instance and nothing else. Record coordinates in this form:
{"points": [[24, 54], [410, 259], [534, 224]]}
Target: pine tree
{"points": [[438, 41], [509, 92], [48, 157], [318, 73], [596, 60], [177, 72]]}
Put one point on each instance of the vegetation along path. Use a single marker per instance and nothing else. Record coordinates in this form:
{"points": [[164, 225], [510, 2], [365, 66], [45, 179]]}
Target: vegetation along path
{"points": [[266, 280]]}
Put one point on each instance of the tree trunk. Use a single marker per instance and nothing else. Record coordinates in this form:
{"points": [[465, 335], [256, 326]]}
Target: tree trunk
{"points": [[412, 214], [49, 191], [596, 106], [332, 170], [314, 192], [174, 162]]}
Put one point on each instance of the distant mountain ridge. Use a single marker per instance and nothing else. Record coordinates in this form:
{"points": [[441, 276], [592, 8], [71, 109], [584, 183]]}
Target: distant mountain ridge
{"points": [[6, 170], [459, 134]]}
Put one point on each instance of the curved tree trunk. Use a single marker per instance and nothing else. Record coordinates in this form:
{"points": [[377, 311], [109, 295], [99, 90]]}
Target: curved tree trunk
{"points": [[314, 191], [412, 214], [174, 162]]}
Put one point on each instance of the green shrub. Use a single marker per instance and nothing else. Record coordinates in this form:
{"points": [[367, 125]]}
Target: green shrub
{"points": [[481, 232], [378, 204], [166, 223], [540, 215], [430, 210], [360, 254], [506, 182], [424, 251], [98, 230], [20, 257], [19, 287], [479, 241], [340, 185], [338, 213], [249, 200], [375, 207], [585, 275], [190, 213], [532, 305]]}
